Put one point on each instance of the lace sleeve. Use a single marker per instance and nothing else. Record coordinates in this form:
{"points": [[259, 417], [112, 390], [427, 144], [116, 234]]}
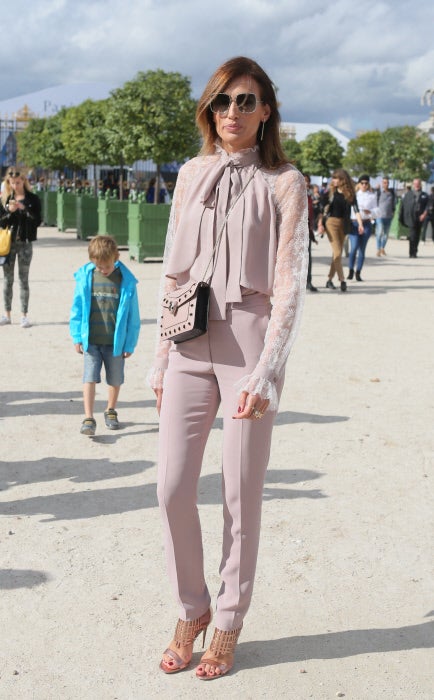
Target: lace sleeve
{"points": [[155, 375], [289, 287]]}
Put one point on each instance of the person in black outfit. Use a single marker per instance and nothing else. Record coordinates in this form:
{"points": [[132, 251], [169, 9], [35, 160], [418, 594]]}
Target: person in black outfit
{"points": [[336, 222], [413, 212], [429, 216], [311, 219], [20, 210]]}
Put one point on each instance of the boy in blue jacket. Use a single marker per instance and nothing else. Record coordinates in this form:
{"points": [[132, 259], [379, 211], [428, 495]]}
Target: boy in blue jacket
{"points": [[104, 325]]}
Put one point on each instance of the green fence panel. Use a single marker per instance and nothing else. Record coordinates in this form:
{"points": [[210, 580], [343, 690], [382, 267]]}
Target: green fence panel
{"points": [[49, 208], [147, 227], [66, 211], [86, 216], [397, 230], [113, 219]]}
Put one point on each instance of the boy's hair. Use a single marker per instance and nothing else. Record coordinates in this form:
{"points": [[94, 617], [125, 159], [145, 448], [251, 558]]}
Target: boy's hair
{"points": [[103, 248]]}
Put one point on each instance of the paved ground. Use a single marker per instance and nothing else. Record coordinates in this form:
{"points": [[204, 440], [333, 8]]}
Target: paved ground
{"points": [[343, 604]]}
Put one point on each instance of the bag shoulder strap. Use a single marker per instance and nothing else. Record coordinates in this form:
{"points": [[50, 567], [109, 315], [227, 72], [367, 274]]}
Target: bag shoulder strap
{"points": [[220, 234]]}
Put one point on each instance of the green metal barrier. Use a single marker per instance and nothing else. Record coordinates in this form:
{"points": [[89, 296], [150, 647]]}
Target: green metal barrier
{"points": [[86, 216], [147, 227], [49, 208], [398, 230], [113, 219], [66, 211]]}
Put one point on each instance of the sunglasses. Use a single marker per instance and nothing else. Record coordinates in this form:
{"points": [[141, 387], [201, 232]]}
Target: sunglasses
{"points": [[246, 103], [14, 173]]}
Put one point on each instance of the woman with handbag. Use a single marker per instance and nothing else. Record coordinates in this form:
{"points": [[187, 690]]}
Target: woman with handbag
{"points": [[238, 223], [336, 221], [20, 211]]}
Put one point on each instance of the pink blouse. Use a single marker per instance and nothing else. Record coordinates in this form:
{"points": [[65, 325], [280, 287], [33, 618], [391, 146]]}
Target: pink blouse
{"points": [[263, 249]]}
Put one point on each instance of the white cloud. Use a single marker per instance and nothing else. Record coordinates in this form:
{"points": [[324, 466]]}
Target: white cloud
{"points": [[366, 64]]}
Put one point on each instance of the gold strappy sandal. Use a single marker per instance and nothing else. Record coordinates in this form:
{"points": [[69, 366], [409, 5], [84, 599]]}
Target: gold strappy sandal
{"points": [[219, 656], [185, 634]]}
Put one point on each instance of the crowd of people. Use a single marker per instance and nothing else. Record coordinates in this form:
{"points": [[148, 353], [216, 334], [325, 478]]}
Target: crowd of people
{"points": [[131, 187], [349, 214]]}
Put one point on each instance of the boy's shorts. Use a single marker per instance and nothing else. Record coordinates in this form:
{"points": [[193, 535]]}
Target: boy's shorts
{"points": [[98, 355]]}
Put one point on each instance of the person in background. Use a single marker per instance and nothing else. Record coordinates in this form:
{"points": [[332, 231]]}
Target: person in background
{"points": [[311, 219], [240, 362], [385, 211], [133, 193], [429, 219], [150, 192], [104, 325], [413, 213], [20, 210], [324, 190], [316, 204], [366, 205], [341, 198]]}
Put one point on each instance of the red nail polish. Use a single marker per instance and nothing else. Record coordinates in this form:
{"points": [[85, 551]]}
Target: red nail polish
{"points": [[239, 409]]}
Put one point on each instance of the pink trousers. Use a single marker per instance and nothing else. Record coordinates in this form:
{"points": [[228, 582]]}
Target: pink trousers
{"points": [[201, 376]]}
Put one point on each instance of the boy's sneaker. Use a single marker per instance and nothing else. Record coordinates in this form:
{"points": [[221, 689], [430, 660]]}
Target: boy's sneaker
{"points": [[5, 321], [111, 419], [25, 323], [88, 426]]}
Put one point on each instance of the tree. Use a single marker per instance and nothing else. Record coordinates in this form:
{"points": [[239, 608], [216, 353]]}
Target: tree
{"points": [[405, 153], [30, 143], [363, 154], [152, 117], [321, 153], [53, 155], [292, 150], [83, 132]]}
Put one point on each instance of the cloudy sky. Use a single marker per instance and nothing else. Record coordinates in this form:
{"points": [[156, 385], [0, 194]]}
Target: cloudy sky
{"points": [[354, 65]]}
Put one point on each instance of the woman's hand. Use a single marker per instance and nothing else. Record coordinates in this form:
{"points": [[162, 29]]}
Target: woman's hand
{"points": [[78, 348], [159, 394], [251, 406]]}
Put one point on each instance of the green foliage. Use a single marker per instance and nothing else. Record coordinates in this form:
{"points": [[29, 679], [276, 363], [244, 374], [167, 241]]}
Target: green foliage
{"points": [[363, 153], [53, 155], [321, 153], [405, 152], [152, 117], [292, 150], [83, 133], [30, 143]]}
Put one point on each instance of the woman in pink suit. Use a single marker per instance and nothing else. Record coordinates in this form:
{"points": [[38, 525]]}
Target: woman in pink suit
{"points": [[257, 291]]}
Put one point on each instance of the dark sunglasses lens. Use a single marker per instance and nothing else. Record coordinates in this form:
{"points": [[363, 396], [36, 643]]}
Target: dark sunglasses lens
{"points": [[13, 173], [246, 102], [220, 103]]}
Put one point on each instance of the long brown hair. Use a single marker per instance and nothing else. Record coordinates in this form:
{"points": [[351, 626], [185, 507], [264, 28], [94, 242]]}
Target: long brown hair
{"points": [[7, 189], [270, 148], [345, 184]]}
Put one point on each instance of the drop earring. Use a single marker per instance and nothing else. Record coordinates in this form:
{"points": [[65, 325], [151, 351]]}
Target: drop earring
{"points": [[262, 130]]}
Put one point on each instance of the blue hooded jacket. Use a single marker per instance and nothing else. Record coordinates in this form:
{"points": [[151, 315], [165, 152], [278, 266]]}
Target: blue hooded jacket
{"points": [[127, 327]]}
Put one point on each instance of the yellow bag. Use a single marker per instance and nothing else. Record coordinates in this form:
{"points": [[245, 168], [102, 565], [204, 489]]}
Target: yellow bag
{"points": [[5, 241]]}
